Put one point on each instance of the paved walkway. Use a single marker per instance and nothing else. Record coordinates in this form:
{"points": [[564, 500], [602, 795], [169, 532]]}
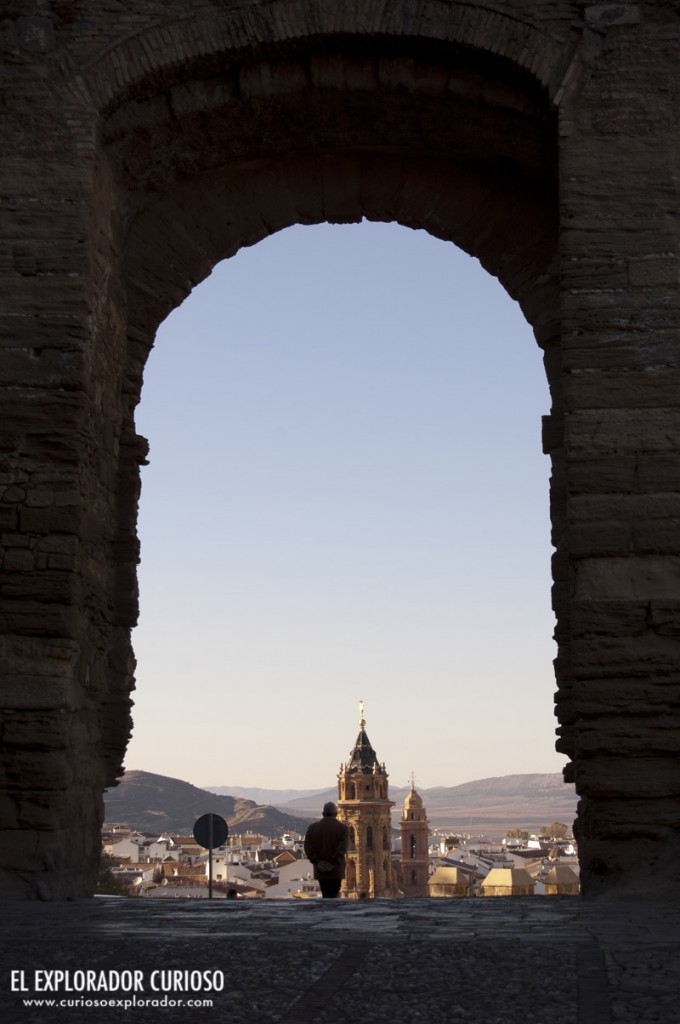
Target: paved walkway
{"points": [[534, 960]]}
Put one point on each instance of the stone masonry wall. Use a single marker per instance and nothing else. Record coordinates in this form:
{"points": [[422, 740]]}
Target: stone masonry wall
{"points": [[620, 349], [145, 141]]}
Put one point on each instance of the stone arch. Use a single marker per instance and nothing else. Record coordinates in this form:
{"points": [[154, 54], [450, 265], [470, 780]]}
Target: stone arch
{"points": [[116, 68], [206, 142], [160, 142], [351, 148]]}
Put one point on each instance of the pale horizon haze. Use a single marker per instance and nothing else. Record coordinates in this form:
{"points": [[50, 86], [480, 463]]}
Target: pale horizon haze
{"points": [[346, 499]]}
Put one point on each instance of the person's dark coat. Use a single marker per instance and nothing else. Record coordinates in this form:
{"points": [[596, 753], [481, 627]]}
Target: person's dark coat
{"points": [[326, 842]]}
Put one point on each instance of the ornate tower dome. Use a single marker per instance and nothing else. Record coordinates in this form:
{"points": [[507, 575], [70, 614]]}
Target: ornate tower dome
{"points": [[413, 804], [364, 806]]}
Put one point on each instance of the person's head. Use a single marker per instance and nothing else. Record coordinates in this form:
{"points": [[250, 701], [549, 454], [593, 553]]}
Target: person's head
{"points": [[329, 810]]}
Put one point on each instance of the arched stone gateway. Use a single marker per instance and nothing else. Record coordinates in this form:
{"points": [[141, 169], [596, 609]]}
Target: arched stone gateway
{"points": [[146, 142]]}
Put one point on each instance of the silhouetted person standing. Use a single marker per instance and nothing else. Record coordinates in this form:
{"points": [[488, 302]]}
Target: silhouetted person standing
{"points": [[325, 846]]}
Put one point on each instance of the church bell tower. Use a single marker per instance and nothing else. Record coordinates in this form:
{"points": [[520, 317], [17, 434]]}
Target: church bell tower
{"points": [[364, 806], [414, 861]]}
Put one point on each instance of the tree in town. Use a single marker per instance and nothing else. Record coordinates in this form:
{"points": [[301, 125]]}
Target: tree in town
{"points": [[107, 883], [556, 830]]}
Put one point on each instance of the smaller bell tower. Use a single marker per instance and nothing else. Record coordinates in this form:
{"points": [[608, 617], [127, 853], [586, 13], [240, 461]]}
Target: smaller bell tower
{"points": [[414, 859]]}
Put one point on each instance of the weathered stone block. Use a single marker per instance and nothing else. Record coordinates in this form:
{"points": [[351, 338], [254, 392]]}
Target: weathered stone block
{"points": [[38, 656], [629, 777], [612, 14], [18, 560], [60, 544], [39, 498], [49, 520], [609, 474], [657, 471], [48, 587], [627, 388], [601, 538], [9, 518], [636, 578], [37, 769], [664, 617], [623, 431], [631, 508], [657, 537], [38, 619], [655, 271], [646, 656], [648, 735], [610, 618], [25, 691]]}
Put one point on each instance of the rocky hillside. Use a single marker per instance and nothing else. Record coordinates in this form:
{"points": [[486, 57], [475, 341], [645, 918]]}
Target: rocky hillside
{"points": [[156, 803], [524, 800]]}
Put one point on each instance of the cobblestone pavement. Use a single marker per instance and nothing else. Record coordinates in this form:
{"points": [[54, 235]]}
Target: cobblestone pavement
{"points": [[484, 961]]}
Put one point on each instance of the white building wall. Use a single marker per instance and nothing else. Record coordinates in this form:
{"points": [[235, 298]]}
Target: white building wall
{"points": [[292, 878]]}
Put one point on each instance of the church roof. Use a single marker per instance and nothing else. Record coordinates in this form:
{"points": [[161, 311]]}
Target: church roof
{"points": [[448, 876], [362, 758], [508, 878], [561, 874]]}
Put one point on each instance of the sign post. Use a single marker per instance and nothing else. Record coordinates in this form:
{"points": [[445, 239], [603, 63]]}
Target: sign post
{"points": [[210, 830]]}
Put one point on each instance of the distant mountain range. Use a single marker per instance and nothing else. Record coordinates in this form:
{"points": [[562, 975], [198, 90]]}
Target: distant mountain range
{"points": [[156, 803], [528, 801], [273, 797]]}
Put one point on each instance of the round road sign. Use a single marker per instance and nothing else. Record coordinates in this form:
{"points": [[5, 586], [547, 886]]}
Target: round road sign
{"points": [[211, 830]]}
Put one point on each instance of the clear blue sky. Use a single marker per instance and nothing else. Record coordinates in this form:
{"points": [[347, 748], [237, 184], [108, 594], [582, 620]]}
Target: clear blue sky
{"points": [[346, 499]]}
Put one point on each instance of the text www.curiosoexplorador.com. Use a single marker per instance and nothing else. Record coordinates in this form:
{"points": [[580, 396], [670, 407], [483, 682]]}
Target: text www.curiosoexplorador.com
{"points": [[128, 1003]]}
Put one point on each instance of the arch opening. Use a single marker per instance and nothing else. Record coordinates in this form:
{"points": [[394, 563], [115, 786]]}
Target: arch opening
{"points": [[446, 139], [376, 462]]}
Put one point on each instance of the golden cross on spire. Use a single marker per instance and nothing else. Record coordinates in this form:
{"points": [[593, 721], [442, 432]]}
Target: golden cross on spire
{"points": [[413, 780], [362, 720]]}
